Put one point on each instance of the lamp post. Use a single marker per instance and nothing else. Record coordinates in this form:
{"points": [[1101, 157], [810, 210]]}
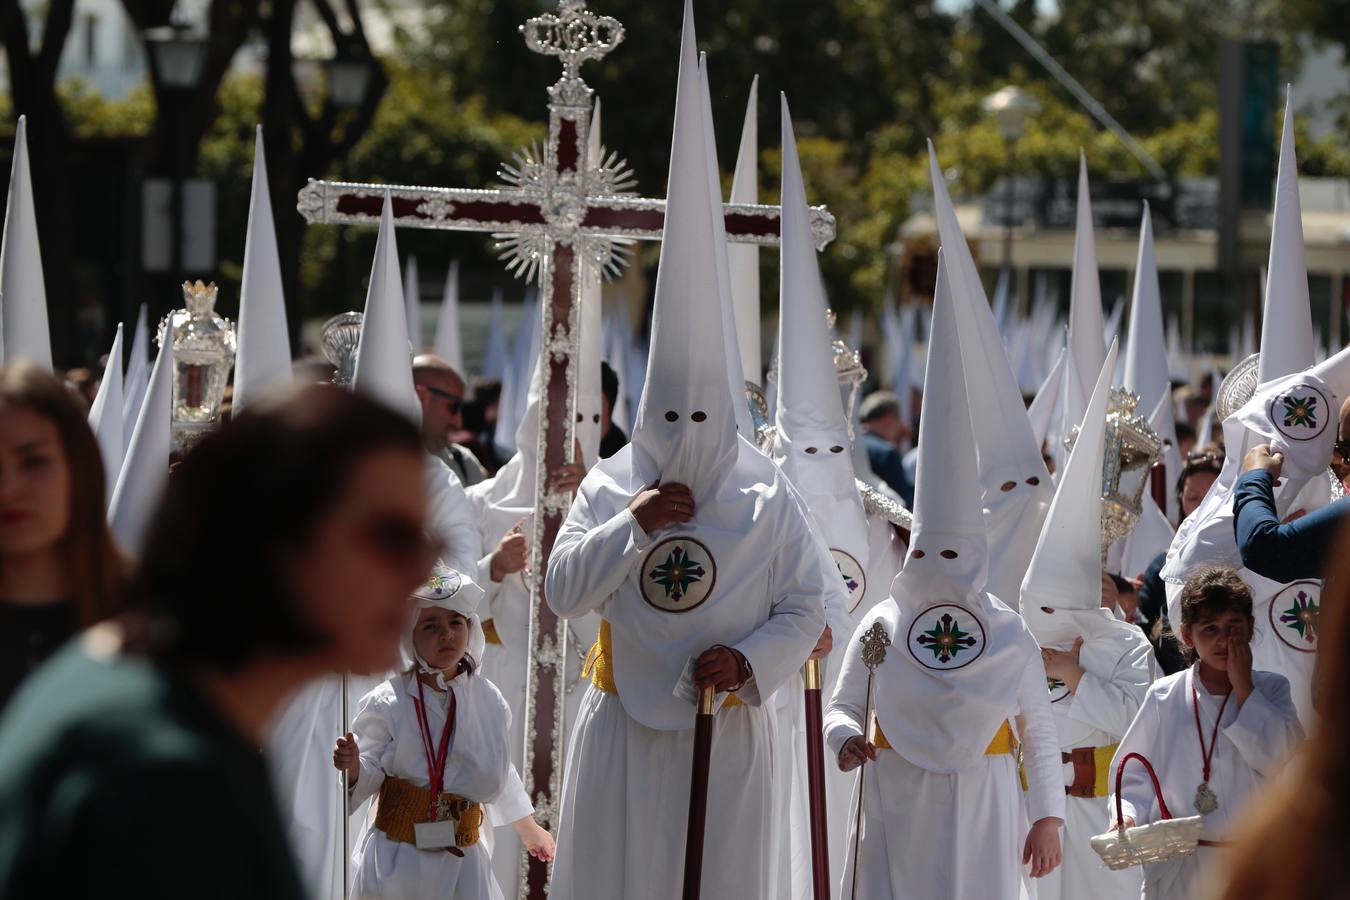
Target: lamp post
{"points": [[1010, 107], [177, 56]]}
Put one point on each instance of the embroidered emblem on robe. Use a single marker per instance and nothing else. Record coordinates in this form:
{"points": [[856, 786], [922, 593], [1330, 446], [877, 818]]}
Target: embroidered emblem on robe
{"points": [[1294, 613], [946, 637], [678, 575], [855, 580], [1300, 413]]}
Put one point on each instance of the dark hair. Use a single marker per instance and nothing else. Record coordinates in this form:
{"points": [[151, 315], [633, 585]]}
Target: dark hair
{"points": [[95, 569], [1212, 591], [251, 495], [609, 383], [1207, 459], [1184, 431]]}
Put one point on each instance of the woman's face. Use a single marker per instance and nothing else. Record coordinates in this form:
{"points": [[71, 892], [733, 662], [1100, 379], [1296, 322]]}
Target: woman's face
{"points": [[441, 637], [34, 483], [1193, 490], [366, 558]]}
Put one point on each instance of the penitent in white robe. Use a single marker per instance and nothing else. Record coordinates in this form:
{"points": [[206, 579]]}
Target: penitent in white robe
{"points": [[933, 831], [479, 768], [625, 792], [1118, 668], [886, 553], [1254, 743]]}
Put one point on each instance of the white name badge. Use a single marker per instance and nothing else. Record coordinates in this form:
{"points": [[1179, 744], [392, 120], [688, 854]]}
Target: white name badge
{"points": [[435, 835]]}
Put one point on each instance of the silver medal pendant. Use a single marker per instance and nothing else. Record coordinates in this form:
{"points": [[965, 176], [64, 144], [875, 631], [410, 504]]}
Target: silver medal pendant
{"points": [[1206, 801]]}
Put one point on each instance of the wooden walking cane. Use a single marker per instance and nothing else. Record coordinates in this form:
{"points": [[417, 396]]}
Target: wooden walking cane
{"points": [[874, 642], [698, 795], [815, 781]]}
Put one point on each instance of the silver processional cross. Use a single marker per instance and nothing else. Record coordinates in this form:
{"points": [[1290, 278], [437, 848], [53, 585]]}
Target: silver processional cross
{"points": [[559, 218]]}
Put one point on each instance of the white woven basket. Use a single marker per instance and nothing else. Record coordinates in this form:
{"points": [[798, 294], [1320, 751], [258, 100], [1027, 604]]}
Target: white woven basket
{"points": [[1121, 848]]}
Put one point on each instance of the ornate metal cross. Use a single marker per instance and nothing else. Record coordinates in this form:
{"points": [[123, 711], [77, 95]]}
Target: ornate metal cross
{"points": [[560, 218]]}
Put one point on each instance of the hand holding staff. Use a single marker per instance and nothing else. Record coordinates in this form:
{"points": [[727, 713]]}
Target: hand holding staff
{"points": [[874, 642]]}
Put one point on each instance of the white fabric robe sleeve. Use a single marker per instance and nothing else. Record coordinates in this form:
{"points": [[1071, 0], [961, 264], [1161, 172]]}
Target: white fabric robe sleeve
{"points": [[1136, 789], [1266, 726], [1040, 745], [844, 715], [1110, 704], [800, 584], [451, 517], [590, 562], [512, 804], [373, 729]]}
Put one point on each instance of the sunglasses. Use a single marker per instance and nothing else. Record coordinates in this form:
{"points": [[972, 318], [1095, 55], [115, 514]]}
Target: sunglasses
{"points": [[399, 542], [455, 403]]}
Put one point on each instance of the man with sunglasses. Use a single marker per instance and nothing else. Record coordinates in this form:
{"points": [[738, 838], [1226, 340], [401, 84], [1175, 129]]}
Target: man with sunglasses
{"points": [[441, 390], [1297, 548]]}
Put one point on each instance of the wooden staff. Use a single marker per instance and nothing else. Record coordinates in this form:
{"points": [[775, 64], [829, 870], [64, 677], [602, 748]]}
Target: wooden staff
{"points": [[346, 802], [698, 795], [874, 642], [815, 781], [1157, 485]]}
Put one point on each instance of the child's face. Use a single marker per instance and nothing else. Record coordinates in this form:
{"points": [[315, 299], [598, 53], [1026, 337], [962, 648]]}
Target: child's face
{"points": [[441, 637], [1209, 637]]}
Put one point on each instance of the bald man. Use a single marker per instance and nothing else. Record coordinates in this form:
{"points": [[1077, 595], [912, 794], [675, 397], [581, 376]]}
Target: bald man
{"points": [[441, 390], [1287, 551]]}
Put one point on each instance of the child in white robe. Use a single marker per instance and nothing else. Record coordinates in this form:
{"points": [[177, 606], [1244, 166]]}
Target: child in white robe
{"points": [[437, 722], [1211, 733], [943, 815]]}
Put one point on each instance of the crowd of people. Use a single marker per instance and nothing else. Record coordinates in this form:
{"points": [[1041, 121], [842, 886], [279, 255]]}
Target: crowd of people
{"points": [[309, 676]]}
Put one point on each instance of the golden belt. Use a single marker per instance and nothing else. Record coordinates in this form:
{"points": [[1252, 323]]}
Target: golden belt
{"points": [[601, 670], [1003, 742], [404, 805]]}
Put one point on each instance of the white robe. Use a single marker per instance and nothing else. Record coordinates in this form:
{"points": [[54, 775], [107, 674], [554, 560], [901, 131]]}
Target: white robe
{"points": [[931, 835], [626, 780], [1118, 669], [479, 768], [451, 518], [507, 664], [1254, 742], [886, 553]]}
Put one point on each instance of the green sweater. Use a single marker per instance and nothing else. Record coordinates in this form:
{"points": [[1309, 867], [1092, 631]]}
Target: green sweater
{"points": [[119, 778]]}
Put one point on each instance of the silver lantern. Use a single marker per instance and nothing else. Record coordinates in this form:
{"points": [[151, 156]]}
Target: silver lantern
{"points": [[1132, 447], [340, 340], [203, 352]]}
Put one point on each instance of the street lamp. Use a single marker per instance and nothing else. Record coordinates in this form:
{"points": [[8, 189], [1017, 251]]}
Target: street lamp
{"points": [[1010, 107], [178, 55], [349, 75]]}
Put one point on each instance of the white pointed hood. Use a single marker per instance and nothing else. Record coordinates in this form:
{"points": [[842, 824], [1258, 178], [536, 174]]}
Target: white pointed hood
{"points": [[943, 688], [1014, 483], [448, 345], [412, 298], [1086, 347], [494, 354], [1286, 323], [146, 467], [686, 424], [947, 542], [1146, 370], [811, 443], [137, 377], [105, 416], [516, 377], [721, 246], [1065, 574], [1045, 405], [264, 358], [589, 317], [384, 357], [23, 292], [744, 258]]}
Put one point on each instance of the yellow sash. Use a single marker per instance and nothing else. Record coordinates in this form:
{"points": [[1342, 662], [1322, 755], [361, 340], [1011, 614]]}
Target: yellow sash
{"points": [[600, 670], [1003, 742]]}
